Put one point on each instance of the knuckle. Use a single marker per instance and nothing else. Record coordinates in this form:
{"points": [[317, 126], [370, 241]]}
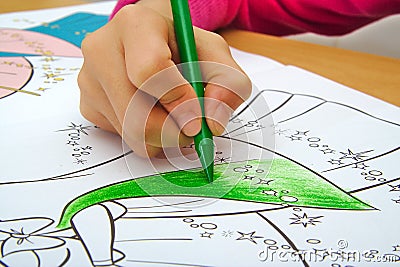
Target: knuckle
{"points": [[245, 85], [81, 81], [151, 132], [134, 16], [174, 95], [128, 13], [219, 41], [87, 44], [87, 113], [145, 68]]}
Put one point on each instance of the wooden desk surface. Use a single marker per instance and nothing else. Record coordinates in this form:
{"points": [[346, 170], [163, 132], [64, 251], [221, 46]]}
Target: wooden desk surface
{"points": [[375, 75]]}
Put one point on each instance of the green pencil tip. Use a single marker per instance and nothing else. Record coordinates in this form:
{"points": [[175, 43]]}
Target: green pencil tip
{"points": [[205, 150]]}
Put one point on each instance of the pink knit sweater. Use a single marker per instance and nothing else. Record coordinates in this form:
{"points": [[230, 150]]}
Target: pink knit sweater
{"points": [[283, 17]]}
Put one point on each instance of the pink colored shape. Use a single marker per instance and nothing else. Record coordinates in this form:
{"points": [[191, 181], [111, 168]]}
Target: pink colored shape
{"points": [[284, 17], [27, 42], [15, 72]]}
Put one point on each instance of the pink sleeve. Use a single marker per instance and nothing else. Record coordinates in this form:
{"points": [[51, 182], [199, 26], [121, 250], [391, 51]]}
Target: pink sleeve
{"points": [[330, 17], [208, 15], [283, 17]]}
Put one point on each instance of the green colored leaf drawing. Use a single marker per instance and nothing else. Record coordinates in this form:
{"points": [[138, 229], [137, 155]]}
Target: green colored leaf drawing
{"points": [[277, 181]]}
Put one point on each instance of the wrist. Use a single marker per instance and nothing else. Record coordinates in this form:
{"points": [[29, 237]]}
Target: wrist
{"points": [[161, 6]]}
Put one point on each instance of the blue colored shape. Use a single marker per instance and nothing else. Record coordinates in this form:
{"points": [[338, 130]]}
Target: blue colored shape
{"points": [[73, 28], [10, 54]]}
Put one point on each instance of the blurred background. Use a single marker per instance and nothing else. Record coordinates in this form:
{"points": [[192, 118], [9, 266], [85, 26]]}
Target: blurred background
{"points": [[381, 37]]}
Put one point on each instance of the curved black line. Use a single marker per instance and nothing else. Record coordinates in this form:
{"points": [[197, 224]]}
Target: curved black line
{"points": [[247, 105], [315, 97], [290, 242], [74, 172], [154, 239], [2, 247], [240, 212], [30, 77], [373, 186], [169, 263], [25, 218], [161, 212], [112, 226], [246, 132], [66, 258], [363, 112], [27, 81], [37, 257], [166, 205], [365, 160], [119, 204], [235, 213], [278, 207], [300, 164], [336, 103], [52, 232], [271, 90], [263, 116], [284, 92], [301, 114], [47, 179]]}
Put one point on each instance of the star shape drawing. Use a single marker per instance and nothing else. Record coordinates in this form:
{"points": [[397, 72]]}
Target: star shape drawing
{"points": [[397, 201], [305, 220], [335, 162], [294, 138], [222, 159], [227, 233], [280, 131], [394, 188], [206, 234], [249, 236], [249, 177], [80, 161], [360, 165], [396, 248], [327, 151], [264, 181], [304, 133], [354, 156], [269, 192], [75, 127]]}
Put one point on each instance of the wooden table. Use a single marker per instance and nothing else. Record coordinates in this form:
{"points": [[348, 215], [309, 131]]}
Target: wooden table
{"points": [[375, 75]]}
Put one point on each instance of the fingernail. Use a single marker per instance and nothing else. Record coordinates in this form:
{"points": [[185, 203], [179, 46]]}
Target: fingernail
{"points": [[219, 118], [189, 123]]}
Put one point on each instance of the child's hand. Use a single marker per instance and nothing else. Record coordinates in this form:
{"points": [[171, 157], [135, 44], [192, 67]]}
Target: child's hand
{"points": [[136, 44]]}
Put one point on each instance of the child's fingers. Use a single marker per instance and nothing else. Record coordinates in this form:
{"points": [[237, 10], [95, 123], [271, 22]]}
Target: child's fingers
{"points": [[113, 92], [225, 92], [94, 104], [149, 55], [145, 133], [146, 121], [227, 85]]}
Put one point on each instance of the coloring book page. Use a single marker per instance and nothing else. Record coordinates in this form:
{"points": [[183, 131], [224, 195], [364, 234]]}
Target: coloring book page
{"points": [[305, 171]]}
